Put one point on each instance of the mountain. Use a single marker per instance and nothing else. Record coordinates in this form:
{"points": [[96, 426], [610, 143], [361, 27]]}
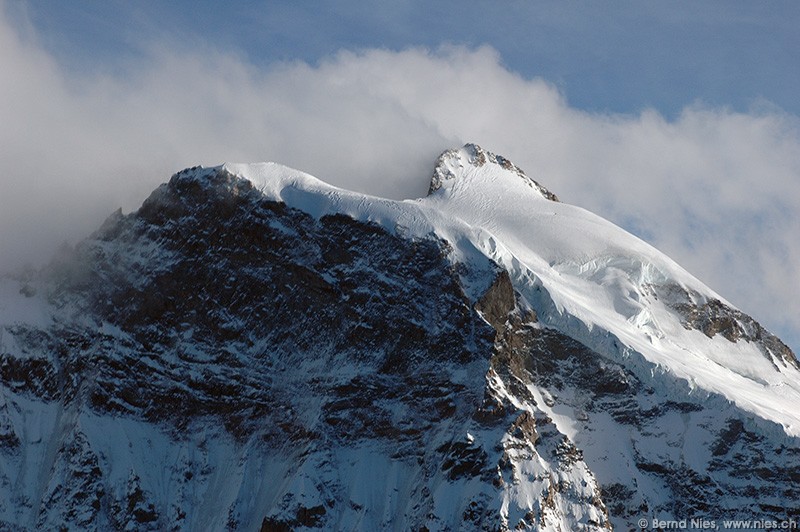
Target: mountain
{"points": [[254, 349]]}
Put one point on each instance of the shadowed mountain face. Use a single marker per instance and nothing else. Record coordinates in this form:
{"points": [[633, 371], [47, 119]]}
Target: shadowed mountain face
{"points": [[215, 314], [245, 291], [221, 359]]}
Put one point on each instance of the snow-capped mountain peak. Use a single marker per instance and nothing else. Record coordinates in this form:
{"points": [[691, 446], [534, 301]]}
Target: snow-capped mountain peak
{"points": [[601, 280], [256, 348], [460, 167]]}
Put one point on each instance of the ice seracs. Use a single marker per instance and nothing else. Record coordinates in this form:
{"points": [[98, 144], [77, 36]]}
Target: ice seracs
{"points": [[602, 281]]}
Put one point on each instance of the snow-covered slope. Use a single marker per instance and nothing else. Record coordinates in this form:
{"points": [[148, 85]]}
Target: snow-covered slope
{"points": [[256, 348], [599, 278]]}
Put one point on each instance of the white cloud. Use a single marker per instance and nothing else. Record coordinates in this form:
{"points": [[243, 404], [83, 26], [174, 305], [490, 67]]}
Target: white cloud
{"points": [[717, 190]]}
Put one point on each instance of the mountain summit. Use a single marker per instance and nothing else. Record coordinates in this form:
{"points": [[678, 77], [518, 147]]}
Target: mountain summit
{"points": [[255, 349], [463, 163]]}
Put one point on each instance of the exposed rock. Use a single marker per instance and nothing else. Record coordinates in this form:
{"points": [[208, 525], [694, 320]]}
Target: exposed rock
{"points": [[713, 317], [220, 360]]}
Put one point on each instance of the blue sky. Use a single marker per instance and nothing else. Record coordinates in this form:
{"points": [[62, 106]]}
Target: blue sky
{"points": [[677, 120], [619, 56]]}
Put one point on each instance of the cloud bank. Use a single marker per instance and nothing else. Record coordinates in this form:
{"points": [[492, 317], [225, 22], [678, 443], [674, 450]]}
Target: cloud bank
{"points": [[717, 190]]}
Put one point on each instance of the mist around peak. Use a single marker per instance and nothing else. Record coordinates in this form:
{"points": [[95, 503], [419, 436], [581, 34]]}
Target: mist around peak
{"points": [[715, 189]]}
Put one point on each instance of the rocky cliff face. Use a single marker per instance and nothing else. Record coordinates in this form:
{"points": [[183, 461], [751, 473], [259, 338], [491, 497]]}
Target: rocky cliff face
{"points": [[220, 359], [348, 358]]}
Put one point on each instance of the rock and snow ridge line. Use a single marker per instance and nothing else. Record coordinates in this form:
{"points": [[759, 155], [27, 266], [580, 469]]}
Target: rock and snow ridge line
{"points": [[216, 338], [480, 357], [451, 163], [604, 286]]}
